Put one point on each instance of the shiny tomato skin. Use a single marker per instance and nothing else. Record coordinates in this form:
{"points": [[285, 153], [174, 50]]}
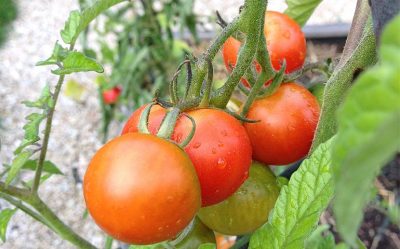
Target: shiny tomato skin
{"points": [[111, 96], [220, 151], [141, 189], [284, 38], [288, 119], [198, 234], [157, 114], [248, 208]]}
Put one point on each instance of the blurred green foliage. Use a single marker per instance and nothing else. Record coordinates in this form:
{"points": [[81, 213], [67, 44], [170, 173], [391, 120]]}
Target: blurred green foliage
{"points": [[8, 12], [138, 46]]}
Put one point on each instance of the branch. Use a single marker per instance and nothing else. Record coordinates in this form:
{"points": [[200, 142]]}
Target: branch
{"points": [[359, 53]]}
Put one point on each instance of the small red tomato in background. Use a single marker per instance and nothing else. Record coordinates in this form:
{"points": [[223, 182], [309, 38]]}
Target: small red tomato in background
{"points": [[285, 41], [288, 119], [141, 189], [220, 149], [110, 96]]}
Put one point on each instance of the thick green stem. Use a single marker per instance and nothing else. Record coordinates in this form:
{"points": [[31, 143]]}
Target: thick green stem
{"points": [[168, 124], [207, 90], [359, 53], [251, 22], [209, 54]]}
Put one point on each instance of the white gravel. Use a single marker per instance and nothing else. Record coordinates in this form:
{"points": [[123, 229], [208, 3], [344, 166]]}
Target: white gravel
{"points": [[75, 134]]}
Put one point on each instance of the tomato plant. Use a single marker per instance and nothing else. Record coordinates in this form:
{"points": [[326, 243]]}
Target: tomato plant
{"points": [[288, 120], [248, 208], [147, 185], [141, 196]]}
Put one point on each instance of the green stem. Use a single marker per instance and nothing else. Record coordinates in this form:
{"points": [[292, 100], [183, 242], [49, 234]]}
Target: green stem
{"points": [[206, 96], [359, 53], [168, 124], [209, 54], [19, 204], [251, 21], [47, 131], [109, 242]]}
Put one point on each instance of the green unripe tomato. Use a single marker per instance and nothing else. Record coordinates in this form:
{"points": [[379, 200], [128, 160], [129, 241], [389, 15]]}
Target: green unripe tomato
{"points": [[248, 208], [196, 235]]}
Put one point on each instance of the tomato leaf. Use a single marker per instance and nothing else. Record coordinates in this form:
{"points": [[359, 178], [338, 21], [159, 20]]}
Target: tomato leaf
{"points": [[16, 165], [43, 178], [368, 135], [45, 101], [48, 167], [5, 216], [299, 204], [318, 241], [78, 62], [301, 10], [59, 53], [77, 22], [71, 27], [31, 131]]}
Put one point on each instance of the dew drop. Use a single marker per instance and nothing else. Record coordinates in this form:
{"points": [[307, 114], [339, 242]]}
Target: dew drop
{"points": [[160, 229], [220, 145], [214, 150], [221, 163], [196, 145], [178, 221]]}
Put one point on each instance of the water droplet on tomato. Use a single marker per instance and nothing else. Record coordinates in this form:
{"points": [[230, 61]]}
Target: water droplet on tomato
{"points": [[178, 221], [196, 145], [214, 150], [179, 137], [221, 163], [220, 145], [160, 229]]}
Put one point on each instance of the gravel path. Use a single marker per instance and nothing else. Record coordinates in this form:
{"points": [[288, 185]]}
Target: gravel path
{"points": [[75, 132]]}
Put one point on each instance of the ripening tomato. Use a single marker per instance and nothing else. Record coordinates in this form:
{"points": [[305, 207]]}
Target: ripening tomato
{"points": [[284, 38], [157, 114], [288, 119], [220, 149], [110, 96], [248, 208], [141, 189]]}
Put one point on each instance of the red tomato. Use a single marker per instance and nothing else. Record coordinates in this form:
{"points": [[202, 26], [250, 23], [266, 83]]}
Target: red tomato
{"points": [[157, 114], [141, 189], [284, 38], [288, 120], [110, 96], [220, 150]]}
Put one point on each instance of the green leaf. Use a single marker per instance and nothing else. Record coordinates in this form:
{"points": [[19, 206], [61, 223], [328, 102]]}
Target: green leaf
{"points": [[299, 204], [74, 89], [71, 27], [48, 167], [368, 136], [390, 40], [301, 10], [318, 241], [5, 216], [31, 131], [78, 62], [59, 53], [44, 102], [16, 165], [43, 178], [77, 22]]}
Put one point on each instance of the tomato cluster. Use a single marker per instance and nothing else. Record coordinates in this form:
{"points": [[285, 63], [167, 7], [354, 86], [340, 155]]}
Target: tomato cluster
{"points": [[143, 189]]}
